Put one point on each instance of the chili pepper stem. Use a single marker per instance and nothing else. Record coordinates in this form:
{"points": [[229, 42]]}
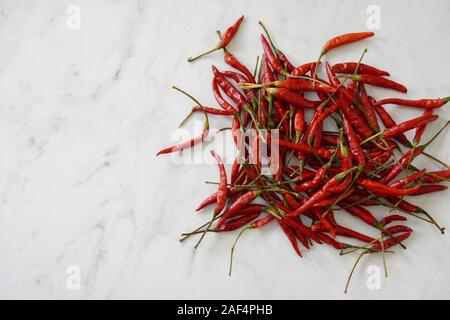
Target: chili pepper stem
{"points": [[353, 269], [191, 59], [372, 137], [433, 221], [233, 247], [206, 124]]}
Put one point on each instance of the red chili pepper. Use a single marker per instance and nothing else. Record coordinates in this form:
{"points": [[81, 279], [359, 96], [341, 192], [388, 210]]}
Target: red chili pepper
{"points": [[224, 41], [350, 67], [293, 98], [357, 120], [291, 236], [421, 103], [345, 232], [303, 147], [273, 60], [408, 125], [390, 242], [391, 218], [299, 122], [421, 129], [436, 176], [362, 214], [229, 89], [287, 64], [220, 100], [315, 182], [353, 142], [385, 190], [236, 64], [379, 82], [236, 223], [185, 145], [328, 240], [222, 189], [261, 222], [235, 171], [214, 111], [213, 198], [398, 229], [325, 222], [239, 204], [302, 69], [239, 78], [296, 224], [407, 180], [368, 107], [344, 39], [425, 189], [323, 193], [389, 123], [379, 160], [303, 85]]}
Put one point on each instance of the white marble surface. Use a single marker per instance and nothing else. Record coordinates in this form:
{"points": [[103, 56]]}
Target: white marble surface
{"points": [[83, 112]]}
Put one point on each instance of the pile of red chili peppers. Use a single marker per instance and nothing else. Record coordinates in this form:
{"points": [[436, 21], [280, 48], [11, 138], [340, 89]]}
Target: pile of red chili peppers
{"points": [[366, 161]]}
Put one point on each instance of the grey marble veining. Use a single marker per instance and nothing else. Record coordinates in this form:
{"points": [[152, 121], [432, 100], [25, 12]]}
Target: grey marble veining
{"points": [[83, 112]]}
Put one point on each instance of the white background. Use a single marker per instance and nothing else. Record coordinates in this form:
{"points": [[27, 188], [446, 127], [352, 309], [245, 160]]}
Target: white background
{"points": [[83, 113]]}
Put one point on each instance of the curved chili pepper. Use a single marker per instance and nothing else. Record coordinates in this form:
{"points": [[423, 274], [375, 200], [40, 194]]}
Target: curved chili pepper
{"points": [[421, 103], [325, 222], [350, 67], [408, 125], [379, 160], [213, 198], [302, 69], [239, 204], [321, 194], [293, 98], [214, 111], [273, 60], [436, 176], [315, 182], [303, 147], [421, 129], [344, 39], [369, 109], [236, 64], [407, 180], [303, 85], [296, 224], [353, 142], [287, 64], [379, 82], [220, 100], [185, 145], [391, 218], [228, 88], [345, 232], [222, 189], [389, 123], [290, 235], [385, 190], [299, 122], [261, 222], [357, 120], [235, 171], [332, 242], [236, 223], [424, 189], [390, 242], [239, 78], [398, 229], [224, 41]]}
